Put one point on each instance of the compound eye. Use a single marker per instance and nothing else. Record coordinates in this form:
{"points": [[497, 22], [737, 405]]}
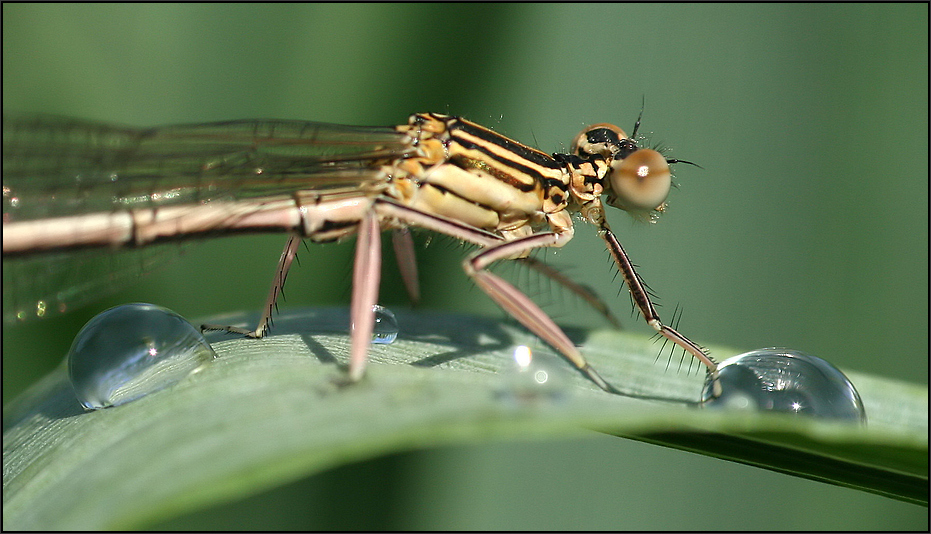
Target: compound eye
{"points": [[640, 182], [598, 139]]}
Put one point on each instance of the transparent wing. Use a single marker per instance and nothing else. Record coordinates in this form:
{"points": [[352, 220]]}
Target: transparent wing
{"points": [[51, 284], [55, 166]]}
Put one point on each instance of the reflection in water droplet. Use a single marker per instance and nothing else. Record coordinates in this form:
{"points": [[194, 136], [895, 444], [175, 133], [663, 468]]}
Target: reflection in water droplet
{"points": [[534, 378], [386, 325], [132, 350], [785, 380], [523, 357]]}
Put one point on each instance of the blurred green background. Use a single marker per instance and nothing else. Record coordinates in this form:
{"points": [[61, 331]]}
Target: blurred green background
{"points": [[807, 227]]}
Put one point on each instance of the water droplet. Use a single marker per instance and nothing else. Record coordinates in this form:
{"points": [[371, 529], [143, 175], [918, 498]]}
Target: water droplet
{"points": [[132, 350], [534, 377], [785, 380], [386, 326]]}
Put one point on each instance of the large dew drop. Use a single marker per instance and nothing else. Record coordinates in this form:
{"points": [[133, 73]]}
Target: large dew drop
{"points": [[133, 350], [785, 380]]}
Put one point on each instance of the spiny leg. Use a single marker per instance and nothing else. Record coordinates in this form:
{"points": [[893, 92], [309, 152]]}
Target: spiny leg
{"points": [[365, 280], [582, 291], [281, 274], [641, 297]]}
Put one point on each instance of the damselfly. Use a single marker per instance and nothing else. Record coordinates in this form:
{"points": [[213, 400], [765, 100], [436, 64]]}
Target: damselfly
{"points": [[71, 184]]}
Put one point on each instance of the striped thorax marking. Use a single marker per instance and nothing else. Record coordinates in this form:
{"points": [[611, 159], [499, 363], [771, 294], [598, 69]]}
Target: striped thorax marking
{"points": [[513, 184]]}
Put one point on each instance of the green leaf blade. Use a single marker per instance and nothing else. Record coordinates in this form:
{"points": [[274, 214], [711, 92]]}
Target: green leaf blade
{"points": [[270, 411]]}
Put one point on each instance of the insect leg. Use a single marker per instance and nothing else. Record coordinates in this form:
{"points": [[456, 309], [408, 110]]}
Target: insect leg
{"points": [[281, 274], [506, 295], [642, 298], [582, 291], [366, 275], [407, 261], [520, 306]]}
